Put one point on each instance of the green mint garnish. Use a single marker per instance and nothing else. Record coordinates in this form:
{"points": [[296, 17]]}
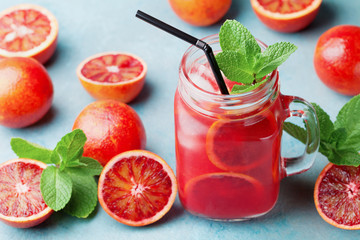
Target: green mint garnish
{"points": [[339, 141], [68, 182], [242, 60]]}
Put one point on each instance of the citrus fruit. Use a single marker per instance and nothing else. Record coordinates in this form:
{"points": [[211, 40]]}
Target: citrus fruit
{"points": [[113, 75], [337, 196], [137, 188], [26, 92], [111, 127], [337, 59], [28, 30], [223, 195], [200, 12], [286, 15], [21, 204], [238, 146]]}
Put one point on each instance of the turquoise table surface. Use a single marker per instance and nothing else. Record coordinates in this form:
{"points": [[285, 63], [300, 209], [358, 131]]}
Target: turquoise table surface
{"points": [[87, 27]]}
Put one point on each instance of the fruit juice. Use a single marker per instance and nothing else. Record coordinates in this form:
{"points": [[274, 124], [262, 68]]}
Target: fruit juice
{"points": [[227, 165]]}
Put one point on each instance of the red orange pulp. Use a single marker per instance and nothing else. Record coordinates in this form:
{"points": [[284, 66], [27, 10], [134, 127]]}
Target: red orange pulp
{"points": [[28, 30], [21, 204], [286, 15], [337, 196], [137, 188]]}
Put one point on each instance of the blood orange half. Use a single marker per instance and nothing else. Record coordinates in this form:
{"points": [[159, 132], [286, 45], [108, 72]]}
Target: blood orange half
{"points": [[137, 188], [28, 30], [223, 195], [337, 196], [21, 204], [113, 75], [286, 15]]}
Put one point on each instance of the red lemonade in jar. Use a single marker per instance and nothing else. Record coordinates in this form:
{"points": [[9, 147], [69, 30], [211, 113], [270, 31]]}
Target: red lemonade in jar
{"points": [[228, 158], [227, 165]]}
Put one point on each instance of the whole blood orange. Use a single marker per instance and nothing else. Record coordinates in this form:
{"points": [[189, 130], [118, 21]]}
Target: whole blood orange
{"points": [[118, 76], [26, 92], [111, 127], [337, 196], [337, 59], [21, 204], [137, 188], [200, 12], [286, 15], [28, 31]]}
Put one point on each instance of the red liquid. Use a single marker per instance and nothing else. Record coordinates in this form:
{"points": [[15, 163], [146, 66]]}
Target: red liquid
{"points": [[228, 169]]}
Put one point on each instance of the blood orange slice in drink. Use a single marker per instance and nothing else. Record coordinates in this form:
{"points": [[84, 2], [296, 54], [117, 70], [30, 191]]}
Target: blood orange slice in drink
{"points": [[241, 145], [223, 195], [113, 75], [286, 15], [21, 204], [137, 188], [337, 196], [28, 30]]}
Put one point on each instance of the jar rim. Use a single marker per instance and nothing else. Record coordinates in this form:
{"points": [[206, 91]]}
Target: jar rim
{"points": [[212, 39]]}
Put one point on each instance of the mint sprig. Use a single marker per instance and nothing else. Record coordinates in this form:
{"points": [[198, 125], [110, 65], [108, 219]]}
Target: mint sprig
{"points": [[242, 60], [68, 182], [339, 141]]}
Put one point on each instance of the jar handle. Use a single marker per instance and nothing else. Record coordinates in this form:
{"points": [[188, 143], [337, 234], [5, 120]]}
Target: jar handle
{"points": [[304, 110]]}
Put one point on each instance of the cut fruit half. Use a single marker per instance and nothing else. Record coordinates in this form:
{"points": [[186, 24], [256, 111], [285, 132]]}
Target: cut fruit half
{"points": [[28, 30], [137, 188], [337, 196], [21, 204], [286, 15], [238, 146], [113, 75], [223, 195]]}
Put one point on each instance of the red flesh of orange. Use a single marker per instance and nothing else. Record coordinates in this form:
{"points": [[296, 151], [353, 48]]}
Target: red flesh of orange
{"points": [[20, 190], [23, 30], [337, 196], [112, 68], [136, 188], [285, 6]]}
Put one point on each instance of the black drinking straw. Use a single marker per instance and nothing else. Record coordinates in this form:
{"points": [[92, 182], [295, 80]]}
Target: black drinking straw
{"points": [[192, 40]]}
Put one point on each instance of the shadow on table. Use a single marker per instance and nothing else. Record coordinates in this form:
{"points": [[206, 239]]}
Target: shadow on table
{"points": [[175, 212], [324, 19], [144, 94]]}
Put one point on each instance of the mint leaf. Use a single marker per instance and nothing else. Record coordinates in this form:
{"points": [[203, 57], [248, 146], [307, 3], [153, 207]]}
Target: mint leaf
{"points": [[241, 59], [338, 137], [59, 156], [56, 187], [246, 88], [251, 53], [272, 57], [69, 178], [345, 157], [93, 167], [353, 139], [84, 196], [349, 118], [235, 67], [235, 37], [74, 143], [326, 125], [295, 131], [89, 167], [349, 115], [26, 149]]}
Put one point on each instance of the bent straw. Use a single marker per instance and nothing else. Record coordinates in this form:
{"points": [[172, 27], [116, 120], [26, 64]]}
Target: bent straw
{"points": [[192, 40]]}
